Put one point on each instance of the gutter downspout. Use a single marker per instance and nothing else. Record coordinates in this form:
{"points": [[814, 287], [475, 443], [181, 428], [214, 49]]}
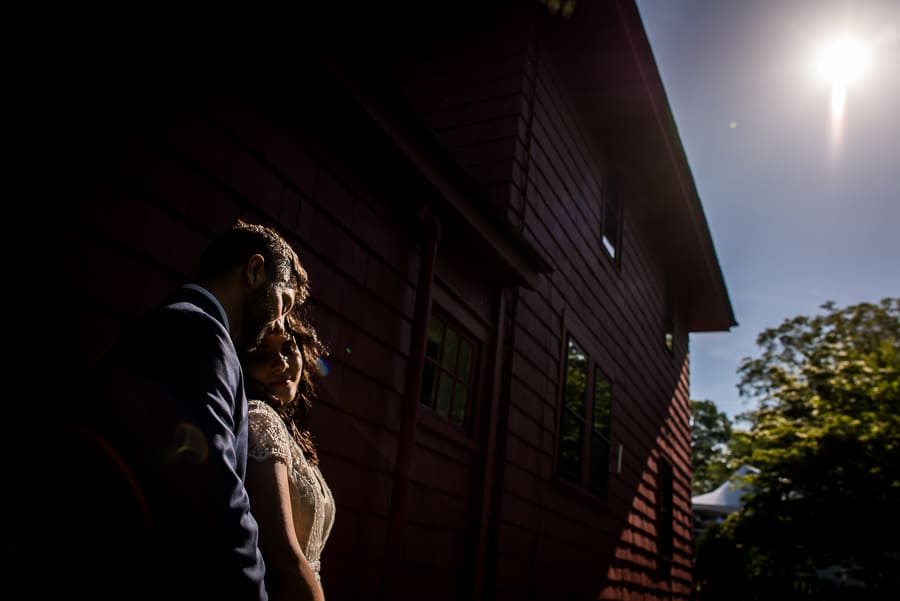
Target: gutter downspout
{"points": [[489, 535], [484, 546], [406, 437]]}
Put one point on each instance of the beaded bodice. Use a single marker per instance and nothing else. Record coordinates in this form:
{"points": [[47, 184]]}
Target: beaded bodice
{"points": [[312, 503]]}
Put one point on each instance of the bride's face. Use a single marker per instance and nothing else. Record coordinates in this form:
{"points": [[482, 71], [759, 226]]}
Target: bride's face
{"points": [[277, 366]]}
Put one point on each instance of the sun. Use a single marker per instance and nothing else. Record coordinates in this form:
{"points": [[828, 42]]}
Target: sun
{"points": [[841, 63]]}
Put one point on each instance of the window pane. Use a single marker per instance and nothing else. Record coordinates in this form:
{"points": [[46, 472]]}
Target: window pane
{"points": [[460, 394], [570, 445], [433, 342], [576, 378], [599, 464], [448, 356], [450, 365], [428, 377], [445, 387], [465, 360], [602, 402], [610, 240], [610, 225]]}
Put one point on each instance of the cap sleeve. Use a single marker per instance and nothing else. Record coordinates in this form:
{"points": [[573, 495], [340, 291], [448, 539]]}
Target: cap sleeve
{"points": [[267, 435]]}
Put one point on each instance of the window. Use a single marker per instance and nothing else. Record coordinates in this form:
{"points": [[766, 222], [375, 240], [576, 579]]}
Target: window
{"points": [[669, 328], [665, 514], [571, 429], [584, 423], [447, 379], [610, 224]]}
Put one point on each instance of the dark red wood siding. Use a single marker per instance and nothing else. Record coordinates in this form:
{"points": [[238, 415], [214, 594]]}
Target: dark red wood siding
{"points": [[181, 175], [168, 175], [569, 543], [468, 84]]}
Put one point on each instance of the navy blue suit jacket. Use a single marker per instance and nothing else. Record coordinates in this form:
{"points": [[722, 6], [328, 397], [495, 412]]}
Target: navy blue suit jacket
{"points": [[172, 425]]}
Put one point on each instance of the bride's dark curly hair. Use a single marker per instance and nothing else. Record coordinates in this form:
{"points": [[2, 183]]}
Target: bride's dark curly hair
{"points": [[295, 412]]}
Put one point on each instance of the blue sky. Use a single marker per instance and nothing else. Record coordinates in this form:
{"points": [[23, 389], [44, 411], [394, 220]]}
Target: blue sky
{"points": [[801, 210]]}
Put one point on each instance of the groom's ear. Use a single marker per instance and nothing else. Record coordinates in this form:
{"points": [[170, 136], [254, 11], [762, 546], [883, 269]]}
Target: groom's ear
{"points": [[255, 272]]}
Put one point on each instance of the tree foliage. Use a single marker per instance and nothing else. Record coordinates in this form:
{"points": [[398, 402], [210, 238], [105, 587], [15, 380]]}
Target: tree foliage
{"points": [[710, 433], [826, 438]]}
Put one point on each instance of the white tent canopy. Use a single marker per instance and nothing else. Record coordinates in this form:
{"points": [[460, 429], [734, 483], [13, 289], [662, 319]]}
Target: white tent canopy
{"points": [[727, 498]]}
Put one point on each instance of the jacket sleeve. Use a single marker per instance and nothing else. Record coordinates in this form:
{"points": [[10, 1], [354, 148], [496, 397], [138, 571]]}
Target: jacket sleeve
{"points": [[181, 424], [209, 454]]}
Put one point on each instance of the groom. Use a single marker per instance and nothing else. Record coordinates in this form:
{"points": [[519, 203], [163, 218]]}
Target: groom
{"points": [[169, 438]]}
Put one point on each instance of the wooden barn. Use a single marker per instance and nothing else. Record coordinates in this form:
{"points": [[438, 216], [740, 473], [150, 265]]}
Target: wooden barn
{"points": [[507, 256]]}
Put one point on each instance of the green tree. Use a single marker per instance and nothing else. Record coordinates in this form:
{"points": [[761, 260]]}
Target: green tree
{"points": [[826, 437], [710, 434]]}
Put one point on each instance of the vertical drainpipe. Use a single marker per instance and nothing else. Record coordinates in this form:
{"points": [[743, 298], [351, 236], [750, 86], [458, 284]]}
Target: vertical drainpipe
{"points": [[406, 437], [483, 555], [486, 575]]}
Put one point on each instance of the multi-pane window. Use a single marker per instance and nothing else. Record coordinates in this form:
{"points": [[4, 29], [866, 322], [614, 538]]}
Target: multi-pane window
{"points": [[448, 375], [610, 225], [665, 512], [584, 423]]}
